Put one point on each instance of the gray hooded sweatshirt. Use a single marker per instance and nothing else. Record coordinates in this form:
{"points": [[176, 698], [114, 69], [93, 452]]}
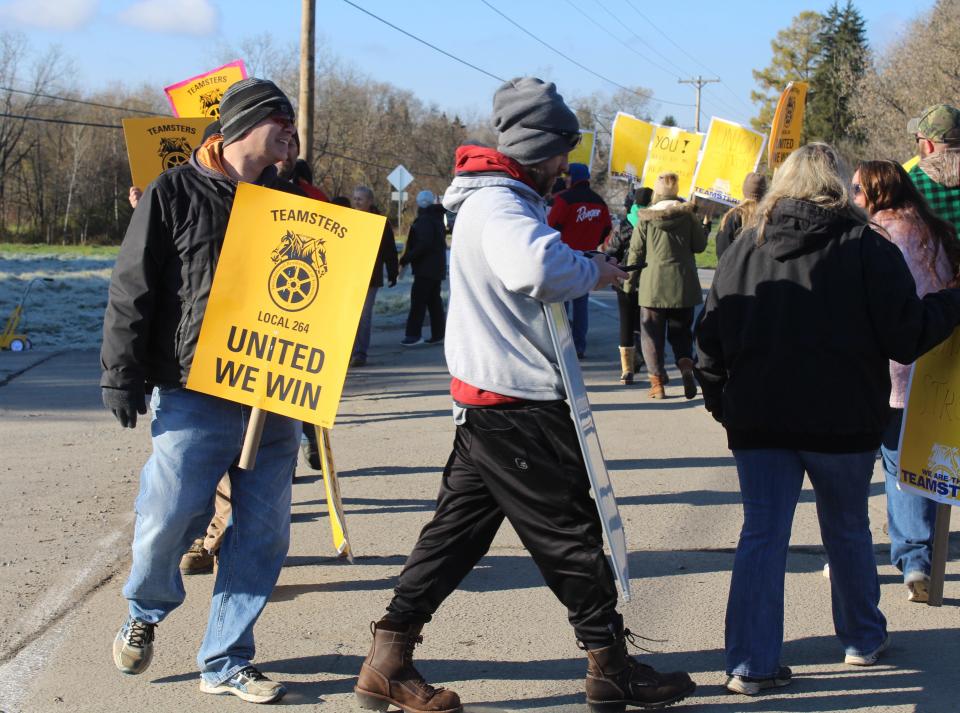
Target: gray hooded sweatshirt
{"points": [[505, 262]]}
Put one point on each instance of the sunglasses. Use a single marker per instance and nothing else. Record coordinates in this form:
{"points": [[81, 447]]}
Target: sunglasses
{"points": [[283, 120], [573, 137]]}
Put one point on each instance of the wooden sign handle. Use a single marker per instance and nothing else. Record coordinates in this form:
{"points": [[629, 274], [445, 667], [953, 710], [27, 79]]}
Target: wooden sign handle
{"points": [[251, 440], [938, 566]]}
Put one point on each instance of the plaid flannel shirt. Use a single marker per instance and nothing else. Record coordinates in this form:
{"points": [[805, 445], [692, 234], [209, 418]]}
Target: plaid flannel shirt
{"points": [[944, 201]]}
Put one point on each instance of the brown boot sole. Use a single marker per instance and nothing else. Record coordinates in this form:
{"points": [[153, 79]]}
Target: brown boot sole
{"points": [[375, 702], [620, 706]]}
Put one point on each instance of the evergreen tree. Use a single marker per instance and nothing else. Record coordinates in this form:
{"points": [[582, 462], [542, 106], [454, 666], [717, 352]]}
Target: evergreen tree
{"points": [[795, 58], [668, 120], [843, 53]]}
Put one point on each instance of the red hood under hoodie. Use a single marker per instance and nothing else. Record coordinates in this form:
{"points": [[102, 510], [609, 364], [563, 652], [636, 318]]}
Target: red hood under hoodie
{"points": [[480, 160]]}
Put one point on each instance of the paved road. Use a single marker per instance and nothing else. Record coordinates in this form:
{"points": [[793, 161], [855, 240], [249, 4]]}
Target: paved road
{"points": [[69, 475]]}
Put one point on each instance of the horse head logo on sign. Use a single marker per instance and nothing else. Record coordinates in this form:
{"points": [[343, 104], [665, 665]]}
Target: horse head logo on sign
{"points": [[210, 103], [173, 151], [301, 262]]}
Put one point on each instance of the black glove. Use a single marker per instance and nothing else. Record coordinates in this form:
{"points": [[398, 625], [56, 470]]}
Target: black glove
{"points": [[125, 404]]}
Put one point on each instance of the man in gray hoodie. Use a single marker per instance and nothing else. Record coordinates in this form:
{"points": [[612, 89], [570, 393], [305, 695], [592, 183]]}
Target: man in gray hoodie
{"points": [[515, 453]]}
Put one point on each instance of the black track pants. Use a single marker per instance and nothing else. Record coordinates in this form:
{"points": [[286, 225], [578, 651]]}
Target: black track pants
{"points": [[523, 464]]}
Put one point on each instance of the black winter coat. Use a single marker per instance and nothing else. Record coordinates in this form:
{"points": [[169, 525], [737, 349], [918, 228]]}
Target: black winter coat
{"points": [[426, 250], [386, 258], [795, 337], [163, 274]]}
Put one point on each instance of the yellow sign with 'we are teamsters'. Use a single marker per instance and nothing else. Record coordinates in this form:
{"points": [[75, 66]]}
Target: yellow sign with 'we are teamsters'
{"points": [[285, 303]]}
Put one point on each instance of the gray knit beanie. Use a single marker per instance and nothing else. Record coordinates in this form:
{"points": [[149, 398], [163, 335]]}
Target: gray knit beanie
{"points": [[534, 122], [248, 102]]}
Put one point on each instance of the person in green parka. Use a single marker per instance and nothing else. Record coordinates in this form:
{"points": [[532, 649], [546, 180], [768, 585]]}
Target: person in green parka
{"points": [[667, 236]]}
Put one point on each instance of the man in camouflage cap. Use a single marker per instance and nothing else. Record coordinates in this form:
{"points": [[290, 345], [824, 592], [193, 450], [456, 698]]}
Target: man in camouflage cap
{"points": [[937, 176]]}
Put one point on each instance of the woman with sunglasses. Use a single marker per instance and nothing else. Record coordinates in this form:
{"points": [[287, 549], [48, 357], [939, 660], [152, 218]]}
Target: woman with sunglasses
{"points": [[930, 247]]}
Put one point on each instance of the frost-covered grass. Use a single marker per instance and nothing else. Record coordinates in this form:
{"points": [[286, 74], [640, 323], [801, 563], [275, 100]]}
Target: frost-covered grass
{"points": [[67, 312], [17, 250]]}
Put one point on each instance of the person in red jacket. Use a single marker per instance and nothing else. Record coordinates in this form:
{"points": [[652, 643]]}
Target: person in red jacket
{"points": [[583, 219]]}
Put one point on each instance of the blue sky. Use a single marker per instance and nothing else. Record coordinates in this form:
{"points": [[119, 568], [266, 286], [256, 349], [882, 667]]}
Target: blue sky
{"points": [[163, 41]]}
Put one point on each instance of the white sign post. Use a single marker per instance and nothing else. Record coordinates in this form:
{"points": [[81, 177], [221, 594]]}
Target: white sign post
{"points": [[400, 178], [589, 442]]}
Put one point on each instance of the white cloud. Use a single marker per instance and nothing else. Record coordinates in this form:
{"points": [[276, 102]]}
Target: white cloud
{"points": [[182, 17], [50, 14]]}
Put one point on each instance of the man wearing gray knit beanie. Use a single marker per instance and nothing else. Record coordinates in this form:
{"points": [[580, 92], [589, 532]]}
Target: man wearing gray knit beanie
{"points": [[158, 295], [515, 453]]}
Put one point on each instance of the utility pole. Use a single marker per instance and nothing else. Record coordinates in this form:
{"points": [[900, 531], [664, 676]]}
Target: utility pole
{"points": [[307, 45], [698, 83]]}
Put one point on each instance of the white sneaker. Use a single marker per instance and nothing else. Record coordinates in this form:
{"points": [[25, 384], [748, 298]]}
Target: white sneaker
{"points": [[826, 571], [870, 658]]}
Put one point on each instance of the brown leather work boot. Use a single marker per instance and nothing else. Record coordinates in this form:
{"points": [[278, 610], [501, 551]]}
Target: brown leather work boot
{"points": [[388, 675], [196, 560], [616, 680], [656, 387], [689, 382]]}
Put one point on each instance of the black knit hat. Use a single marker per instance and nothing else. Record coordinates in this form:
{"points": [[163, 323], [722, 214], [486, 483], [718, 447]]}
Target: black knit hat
{"points": [[534, 122], [248, 102]]}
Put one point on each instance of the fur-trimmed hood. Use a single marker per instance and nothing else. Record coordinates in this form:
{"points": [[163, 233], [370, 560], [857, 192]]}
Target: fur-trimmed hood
{"points": [[668, 209]]}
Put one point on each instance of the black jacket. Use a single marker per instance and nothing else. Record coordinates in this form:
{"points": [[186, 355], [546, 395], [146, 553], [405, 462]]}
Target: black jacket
{"points": [[163, 274], [794, 338], [386, 258], [426, 250], [730, 228]]}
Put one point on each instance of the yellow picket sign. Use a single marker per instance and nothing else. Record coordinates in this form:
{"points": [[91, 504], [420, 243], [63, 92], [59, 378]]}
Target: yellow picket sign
{"points": [[930, 438], [730, 153], [629, 147], [583, 153], [331, 486], [201, 95], [673, 150], [910, 163], [787, 124], [285, 303], [157, 143]]}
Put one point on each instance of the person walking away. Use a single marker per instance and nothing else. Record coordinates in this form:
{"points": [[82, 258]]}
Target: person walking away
{"points": [[515, 452], [386, 258], [666, 237], [932, 253], [805, 311], [583, 219], [937, 175], [627, 308], [426, 253], [157, 298], [732, 222]]}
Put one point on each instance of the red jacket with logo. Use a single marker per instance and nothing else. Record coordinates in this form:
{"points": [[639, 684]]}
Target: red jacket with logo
{"points": [[581, 216]]}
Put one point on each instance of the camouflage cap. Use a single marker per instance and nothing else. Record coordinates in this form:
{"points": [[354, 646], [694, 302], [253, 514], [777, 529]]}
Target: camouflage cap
{"points": [[939, 123]]}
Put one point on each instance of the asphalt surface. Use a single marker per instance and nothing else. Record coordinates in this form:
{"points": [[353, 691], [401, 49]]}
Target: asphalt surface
{"points": [[69, 476]]}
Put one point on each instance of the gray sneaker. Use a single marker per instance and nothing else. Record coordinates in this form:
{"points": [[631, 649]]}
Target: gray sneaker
{"points": [[249, 685], [750, 686], [133, 647]]}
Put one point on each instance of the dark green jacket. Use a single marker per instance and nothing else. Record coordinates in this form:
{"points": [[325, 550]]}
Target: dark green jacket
{"points": [[666, 237]]}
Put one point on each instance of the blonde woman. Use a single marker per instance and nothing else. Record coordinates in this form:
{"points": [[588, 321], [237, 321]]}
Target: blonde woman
{"points": [[666, 237], [806, 310]]}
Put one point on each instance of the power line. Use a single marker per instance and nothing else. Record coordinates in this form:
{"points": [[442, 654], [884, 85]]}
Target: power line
{"points": [[59, 121], [424, 42], [687, 54], [573, 61], [76, 101]]}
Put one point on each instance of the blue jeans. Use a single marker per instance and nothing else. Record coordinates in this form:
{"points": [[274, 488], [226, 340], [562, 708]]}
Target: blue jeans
{"points": [[910, 516], [579, 314], [770, 483], [362, 343], [196, 439]]}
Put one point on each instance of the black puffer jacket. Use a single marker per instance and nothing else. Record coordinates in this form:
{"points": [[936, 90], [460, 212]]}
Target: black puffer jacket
{"points": [[426, 250], [162, 277], [794, 338]]}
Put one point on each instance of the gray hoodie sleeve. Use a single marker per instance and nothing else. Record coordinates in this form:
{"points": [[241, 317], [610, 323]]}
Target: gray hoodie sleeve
{"points": [[528, 257]]}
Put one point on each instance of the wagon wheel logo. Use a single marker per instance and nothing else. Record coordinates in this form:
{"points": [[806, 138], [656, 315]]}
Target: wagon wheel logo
{"points": [[300, 263], [210, 103], [174, 151]]}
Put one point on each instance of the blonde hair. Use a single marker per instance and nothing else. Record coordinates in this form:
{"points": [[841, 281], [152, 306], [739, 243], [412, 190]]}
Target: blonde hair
{"points": [[814, 173]]}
